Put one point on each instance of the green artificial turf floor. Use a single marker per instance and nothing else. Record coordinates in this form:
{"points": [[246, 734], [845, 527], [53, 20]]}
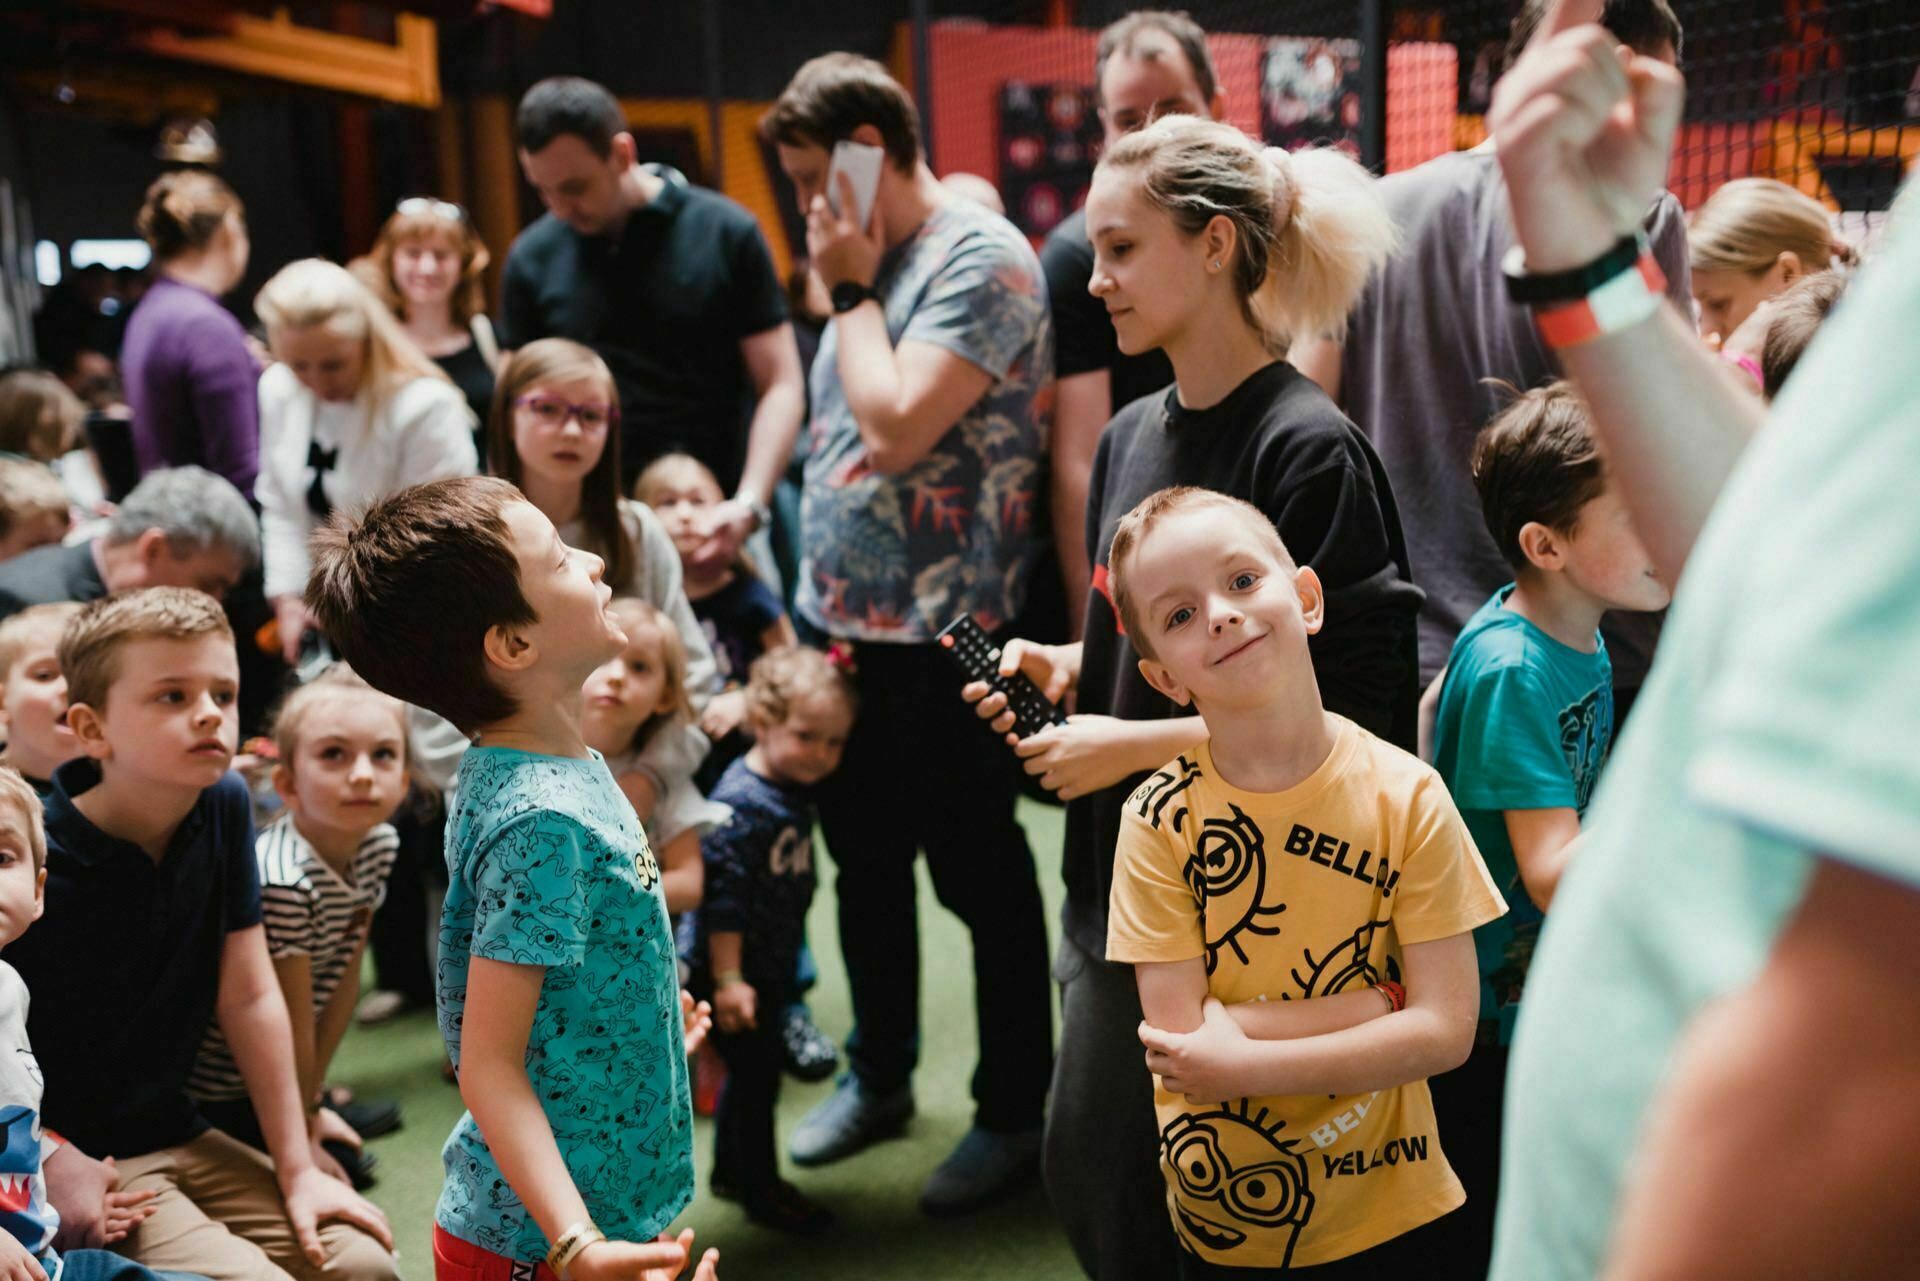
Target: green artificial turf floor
{"points": [[881, 1233]]}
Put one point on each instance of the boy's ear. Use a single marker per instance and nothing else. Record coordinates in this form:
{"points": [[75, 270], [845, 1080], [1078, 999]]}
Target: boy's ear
{"points": [[1542, 546], [509, 650], [90, 728], [1313, 599], [1157, 675]]}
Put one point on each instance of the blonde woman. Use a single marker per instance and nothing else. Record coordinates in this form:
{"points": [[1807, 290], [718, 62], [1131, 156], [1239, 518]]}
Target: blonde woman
{"points": [[428, 266], [1750, 240], [352, 411]]}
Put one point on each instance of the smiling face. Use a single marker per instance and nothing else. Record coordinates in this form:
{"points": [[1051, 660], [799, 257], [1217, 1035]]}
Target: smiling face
{"points": [[34, 699], [560, 428], [627, 690], [1151, 277], [170, 717], [1224, 613], [574, 631], [349, 771], [426, 269], [329, 365]]}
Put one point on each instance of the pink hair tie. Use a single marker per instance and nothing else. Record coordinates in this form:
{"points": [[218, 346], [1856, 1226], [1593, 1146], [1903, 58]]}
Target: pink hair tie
{"points": [[1747, 363], [840, 657]]}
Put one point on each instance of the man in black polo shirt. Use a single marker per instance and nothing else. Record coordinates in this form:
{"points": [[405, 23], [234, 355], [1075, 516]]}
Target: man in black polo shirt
{"points": [[672, 285], [1149, 64]]}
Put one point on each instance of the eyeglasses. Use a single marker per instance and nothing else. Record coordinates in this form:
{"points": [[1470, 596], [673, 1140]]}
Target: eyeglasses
{"points": [[552, 412], [428, 207]]}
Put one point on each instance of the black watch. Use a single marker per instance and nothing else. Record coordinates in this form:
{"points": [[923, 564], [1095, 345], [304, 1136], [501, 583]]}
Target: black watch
{"points": [[849, 294], [1531, 289]]}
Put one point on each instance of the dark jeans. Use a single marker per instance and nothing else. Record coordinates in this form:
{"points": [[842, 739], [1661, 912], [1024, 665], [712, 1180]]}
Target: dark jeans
{"points": [[105, 1265], [922, 772], [1101, 1157], [1468, 1103], [743, 1146], [1409, 1255], [398, 936]]}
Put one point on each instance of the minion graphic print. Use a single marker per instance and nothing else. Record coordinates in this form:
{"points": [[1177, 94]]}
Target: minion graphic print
{"points": [[548, 866], [1289, 896]]}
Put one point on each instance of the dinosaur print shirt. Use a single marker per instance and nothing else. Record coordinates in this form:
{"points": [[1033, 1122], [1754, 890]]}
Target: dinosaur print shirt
{"points": [[547, 866], [897, 558], [1290, 896]]}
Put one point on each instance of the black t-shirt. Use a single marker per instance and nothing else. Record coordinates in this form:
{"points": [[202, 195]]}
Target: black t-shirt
{"points": [[1279, 443], [666, 306], [124, 966], [1083, 338], [735, 618], [474, 377]]}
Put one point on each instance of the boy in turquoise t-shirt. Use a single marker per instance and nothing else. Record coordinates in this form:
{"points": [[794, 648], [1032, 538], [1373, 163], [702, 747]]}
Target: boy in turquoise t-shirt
{"points": [[1524, 724], [558, 988]]}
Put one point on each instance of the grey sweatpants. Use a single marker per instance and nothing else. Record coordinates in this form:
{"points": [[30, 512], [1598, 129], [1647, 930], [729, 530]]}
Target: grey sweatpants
{"points": [[1101, 1158]]}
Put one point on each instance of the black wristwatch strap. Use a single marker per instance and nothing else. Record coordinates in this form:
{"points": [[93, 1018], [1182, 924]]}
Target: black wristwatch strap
{"points": [[1532, 290], [847, 295]]}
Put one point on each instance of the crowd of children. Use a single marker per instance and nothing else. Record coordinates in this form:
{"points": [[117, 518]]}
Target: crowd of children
{"points": [[1305, 900]]}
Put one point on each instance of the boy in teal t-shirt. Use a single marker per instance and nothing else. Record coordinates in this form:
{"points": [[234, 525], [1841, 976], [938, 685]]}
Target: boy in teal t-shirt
{"points": [[1524, 724]]}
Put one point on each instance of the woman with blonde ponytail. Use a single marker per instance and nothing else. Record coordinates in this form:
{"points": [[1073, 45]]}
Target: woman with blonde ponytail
{"points": [[1751, 239], [1215, 252], [352, 411]]}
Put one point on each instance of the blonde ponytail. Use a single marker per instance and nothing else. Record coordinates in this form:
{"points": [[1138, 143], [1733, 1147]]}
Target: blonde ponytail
{"points": [[1332, 232], [1311, 227]]}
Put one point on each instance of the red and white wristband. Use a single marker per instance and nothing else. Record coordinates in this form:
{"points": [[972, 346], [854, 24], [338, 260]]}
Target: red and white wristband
{"points": [[1617, 291]]}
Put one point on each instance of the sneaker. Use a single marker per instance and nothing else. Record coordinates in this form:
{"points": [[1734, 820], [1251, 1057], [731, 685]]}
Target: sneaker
{"points": [[850, 1119], [984, 1167], [811, 1056], [357, 1162], [380, 1006], [784, 1208]]}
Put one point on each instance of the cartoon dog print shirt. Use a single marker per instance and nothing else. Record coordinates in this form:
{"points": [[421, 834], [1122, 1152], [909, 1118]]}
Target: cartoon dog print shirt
{"points": [[547, 866], [1290, 896]]}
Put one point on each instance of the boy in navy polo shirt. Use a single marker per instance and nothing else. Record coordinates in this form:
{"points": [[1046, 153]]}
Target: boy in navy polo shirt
{"points": [[559, 985], [152, 930]]}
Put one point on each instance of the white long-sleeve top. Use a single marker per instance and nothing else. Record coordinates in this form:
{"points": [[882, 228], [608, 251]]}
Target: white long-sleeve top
{"points": [[422, 432]]}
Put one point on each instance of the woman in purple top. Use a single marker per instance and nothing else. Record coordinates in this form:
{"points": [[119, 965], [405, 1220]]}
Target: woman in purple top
{"points": [[189, 376]]}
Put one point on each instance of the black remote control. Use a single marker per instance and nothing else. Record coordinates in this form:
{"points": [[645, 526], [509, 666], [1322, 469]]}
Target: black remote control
{"points": [[979, 658]]}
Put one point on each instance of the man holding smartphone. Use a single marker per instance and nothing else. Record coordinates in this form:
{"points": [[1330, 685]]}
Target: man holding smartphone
{"points": [[924, 500], [672, 284]]}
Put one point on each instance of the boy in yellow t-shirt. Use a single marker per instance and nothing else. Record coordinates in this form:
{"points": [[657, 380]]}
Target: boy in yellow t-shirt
{"points": [[1298, 899]]}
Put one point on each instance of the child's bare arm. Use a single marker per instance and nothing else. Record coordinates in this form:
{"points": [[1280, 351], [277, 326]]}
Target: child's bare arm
{"points": [[735, 1003], [295, 972], [339, 1012], [1291, 1020], [637, 786], [1172, 992], [683, 874], [1433, 1034], [779, 634], [1543, 843]]}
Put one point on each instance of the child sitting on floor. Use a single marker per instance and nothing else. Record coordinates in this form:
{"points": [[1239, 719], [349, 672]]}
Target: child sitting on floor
{"points": [[1297, 898], [324, 864], [759, 883], [629, 702], [33, 693], [558, 993]]}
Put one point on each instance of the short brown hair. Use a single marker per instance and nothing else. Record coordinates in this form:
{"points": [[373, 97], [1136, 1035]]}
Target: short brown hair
{"points": [[834, 94], [1641, 25], [1121, 37], [1798, 312], [1536, 460], [780, 678], [408, 591], [334, 682], [20, 794], [28, 490], [39, 416], [15, 632], [184, 210], [1132, 531], [90, 647]]}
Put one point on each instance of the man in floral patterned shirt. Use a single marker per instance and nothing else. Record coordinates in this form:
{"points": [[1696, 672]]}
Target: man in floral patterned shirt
{"points": [[924, 500]]}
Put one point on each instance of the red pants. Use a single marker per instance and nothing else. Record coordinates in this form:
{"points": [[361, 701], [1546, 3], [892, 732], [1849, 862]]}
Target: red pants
{"points": [[457, 1260]]}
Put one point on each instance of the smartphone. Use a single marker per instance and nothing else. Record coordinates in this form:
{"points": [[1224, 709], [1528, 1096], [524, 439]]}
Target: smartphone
{"points": [[862, 164]]}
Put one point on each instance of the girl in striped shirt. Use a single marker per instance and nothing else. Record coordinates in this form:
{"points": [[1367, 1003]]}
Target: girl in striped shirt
{"points": [[324, 863]]}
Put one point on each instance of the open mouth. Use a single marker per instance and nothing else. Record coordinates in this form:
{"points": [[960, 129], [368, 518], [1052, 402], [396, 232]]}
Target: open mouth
{"points": [[1215, 1236]]}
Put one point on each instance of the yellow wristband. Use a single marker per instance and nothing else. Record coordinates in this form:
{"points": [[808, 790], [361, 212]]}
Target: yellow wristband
{"points": [[574, 1240]]}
